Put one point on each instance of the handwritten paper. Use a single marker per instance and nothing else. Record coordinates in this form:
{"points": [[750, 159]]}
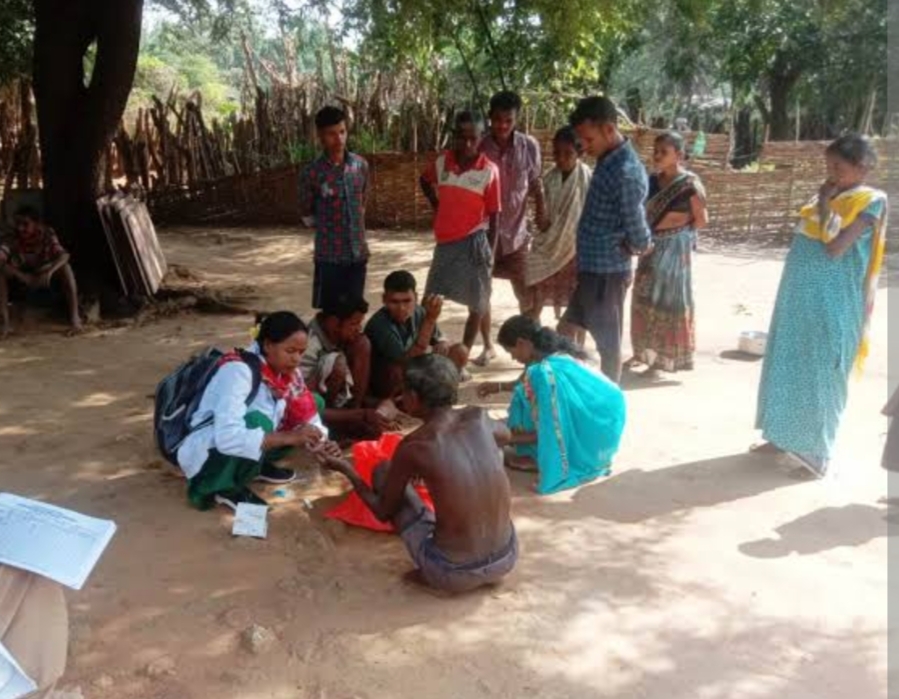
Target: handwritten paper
{"points": [[51, 541], [250, 520], [14, 683]]}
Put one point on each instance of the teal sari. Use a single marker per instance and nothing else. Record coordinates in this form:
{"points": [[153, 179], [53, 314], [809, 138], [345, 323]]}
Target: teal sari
{"points": [[578, 415]]}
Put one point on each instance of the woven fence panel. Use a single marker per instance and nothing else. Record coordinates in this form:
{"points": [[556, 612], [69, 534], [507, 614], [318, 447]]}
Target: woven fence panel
{"points": [[716, 154], [737, 201], [395, 199], [270, 197], [717, 148], [263, 198], [800, 166], [752, 204]]}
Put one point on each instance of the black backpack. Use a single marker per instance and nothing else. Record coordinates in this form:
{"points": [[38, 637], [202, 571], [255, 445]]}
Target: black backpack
{"points": [[179, 394]]}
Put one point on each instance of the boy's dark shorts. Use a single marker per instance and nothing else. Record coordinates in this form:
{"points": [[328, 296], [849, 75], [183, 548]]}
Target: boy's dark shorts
{"points": [[333, 280]]}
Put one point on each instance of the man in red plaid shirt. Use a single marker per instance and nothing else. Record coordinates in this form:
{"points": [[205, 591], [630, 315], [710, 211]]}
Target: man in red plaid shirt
{"points": [[332, 192]]}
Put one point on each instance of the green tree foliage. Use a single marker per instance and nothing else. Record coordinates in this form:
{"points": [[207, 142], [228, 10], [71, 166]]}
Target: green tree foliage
{"points": [[828, 56], [174, 58], [560, 45], [671, 63], [835, 94], [16, 31]]}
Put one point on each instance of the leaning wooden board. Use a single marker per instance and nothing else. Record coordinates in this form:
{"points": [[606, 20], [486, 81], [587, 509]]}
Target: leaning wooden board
{"points": [[122, 251], [106, 218], [141, 236], [131, 235]]}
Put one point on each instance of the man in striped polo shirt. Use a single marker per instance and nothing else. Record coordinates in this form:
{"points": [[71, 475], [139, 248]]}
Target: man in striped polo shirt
{"points": [[518, 161], [463, 187]]}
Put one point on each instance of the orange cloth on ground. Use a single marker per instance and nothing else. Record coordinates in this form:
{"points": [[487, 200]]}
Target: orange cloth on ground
{"points": [[366, 456]]}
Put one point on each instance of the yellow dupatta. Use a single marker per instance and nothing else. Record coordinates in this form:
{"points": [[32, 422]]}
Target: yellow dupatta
{"points": [[844, 210]]}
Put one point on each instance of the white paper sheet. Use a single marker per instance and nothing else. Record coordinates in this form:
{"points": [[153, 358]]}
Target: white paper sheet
{"points": [[14, 683], [53, 542], [250, 520]]}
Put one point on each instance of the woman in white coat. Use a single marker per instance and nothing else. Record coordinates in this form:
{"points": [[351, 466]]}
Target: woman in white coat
{"points": [[246, 439]]}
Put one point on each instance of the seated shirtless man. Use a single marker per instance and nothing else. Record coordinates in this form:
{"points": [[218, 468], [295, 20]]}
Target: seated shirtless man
{"points": [[469, 540]]}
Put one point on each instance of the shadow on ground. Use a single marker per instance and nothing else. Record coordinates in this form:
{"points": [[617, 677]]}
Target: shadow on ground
{"points": [[822, 530], [638, 495]]}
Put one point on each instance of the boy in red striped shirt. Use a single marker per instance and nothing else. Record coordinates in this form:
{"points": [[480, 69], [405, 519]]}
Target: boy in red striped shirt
{"points": [[463, 187]]}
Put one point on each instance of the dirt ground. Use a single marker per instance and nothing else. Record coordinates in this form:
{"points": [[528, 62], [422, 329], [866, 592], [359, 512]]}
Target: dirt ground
{"points": [[696, 571]]}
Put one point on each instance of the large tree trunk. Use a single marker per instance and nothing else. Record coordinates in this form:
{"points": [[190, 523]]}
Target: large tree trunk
{"points": [[781, 126], [744, 140], [77, 121]]}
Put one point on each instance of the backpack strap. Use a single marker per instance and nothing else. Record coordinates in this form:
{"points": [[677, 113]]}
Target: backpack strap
{"points": [[254, 361]]}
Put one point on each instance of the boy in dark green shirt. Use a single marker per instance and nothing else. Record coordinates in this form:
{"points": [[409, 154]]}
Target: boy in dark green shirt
{"points": [[403, 329]]}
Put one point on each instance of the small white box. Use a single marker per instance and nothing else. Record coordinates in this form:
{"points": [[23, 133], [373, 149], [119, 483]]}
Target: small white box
{"points": [[250, 520]]}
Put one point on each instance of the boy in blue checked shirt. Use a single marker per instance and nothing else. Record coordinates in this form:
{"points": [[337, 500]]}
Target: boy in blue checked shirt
{"points": [[612, 229], [332, 194]]}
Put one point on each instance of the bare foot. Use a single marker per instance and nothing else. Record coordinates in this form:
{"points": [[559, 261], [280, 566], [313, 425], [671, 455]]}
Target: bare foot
{"points": [[631, 363], [651, 374], [484, 359], [765, 448], [521, 463], [77, 327]]}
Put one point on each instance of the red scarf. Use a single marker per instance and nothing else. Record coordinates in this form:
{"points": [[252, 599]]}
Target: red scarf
{"points": [[301, 407]]}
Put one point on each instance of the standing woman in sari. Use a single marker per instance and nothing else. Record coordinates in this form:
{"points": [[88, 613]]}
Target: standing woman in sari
{"points": [[663, 331], [566, 418], [551, 269], [820, 322]]}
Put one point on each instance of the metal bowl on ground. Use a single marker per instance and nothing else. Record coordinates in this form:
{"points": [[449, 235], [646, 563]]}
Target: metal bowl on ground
{"points": [[753, 342]]}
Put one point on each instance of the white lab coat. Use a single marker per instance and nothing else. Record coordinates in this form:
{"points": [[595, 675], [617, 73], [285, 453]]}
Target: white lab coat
{"points": [[225, 401]]}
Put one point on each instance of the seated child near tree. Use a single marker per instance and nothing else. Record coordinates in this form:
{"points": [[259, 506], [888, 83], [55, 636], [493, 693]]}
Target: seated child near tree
{"points": [[403, 329], [33, 257]]}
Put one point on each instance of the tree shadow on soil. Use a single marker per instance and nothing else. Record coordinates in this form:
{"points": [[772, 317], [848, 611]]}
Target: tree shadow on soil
{"points": [[823, 530], [636, 495], [631, 381], [737, 356]]}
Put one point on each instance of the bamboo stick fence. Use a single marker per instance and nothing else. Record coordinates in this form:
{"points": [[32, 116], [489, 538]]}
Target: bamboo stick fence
{"points": [[244, 171]]}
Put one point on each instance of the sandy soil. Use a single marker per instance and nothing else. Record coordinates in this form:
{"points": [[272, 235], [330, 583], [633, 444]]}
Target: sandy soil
{"points": [[696, 571]]}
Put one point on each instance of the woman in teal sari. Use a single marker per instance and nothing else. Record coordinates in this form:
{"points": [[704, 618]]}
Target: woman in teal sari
{"points": [[566, 418], [819, 327]]}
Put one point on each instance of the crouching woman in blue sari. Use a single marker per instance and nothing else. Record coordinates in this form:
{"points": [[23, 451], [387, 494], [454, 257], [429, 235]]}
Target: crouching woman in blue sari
{"points": [[566, 418]]}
